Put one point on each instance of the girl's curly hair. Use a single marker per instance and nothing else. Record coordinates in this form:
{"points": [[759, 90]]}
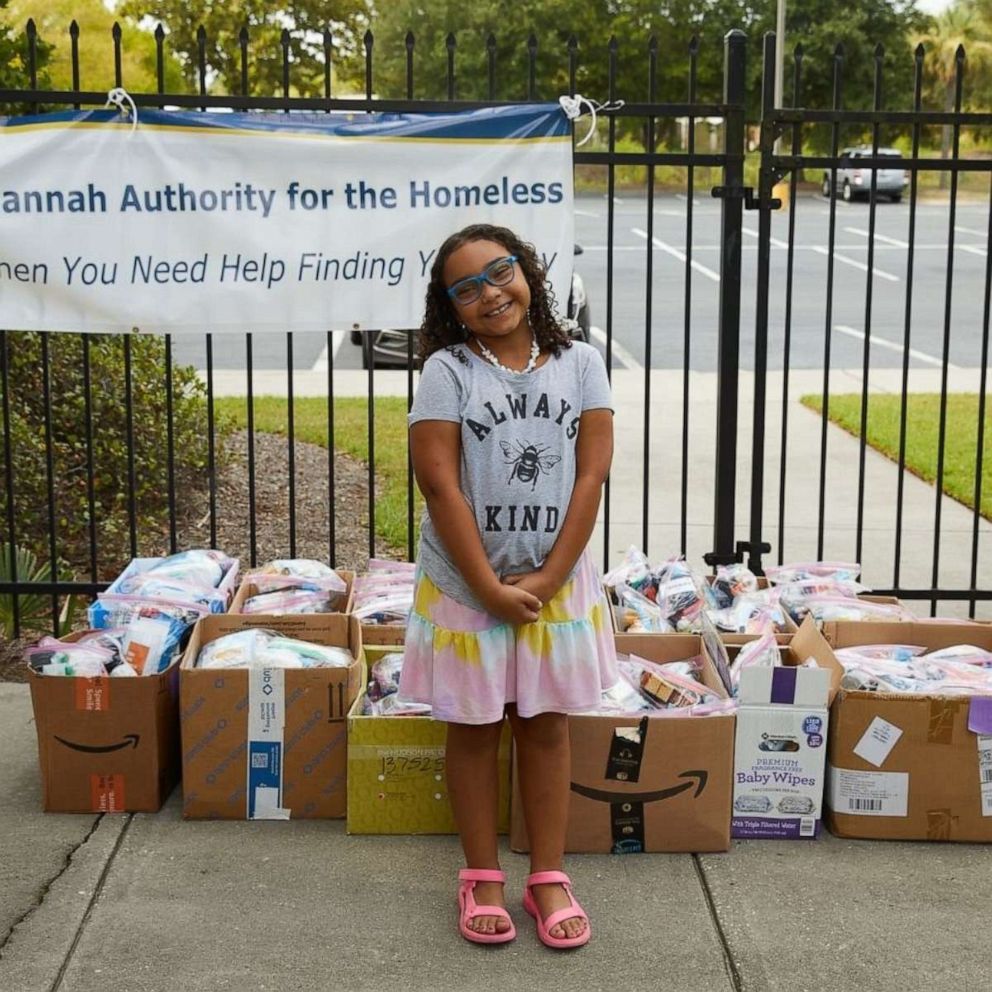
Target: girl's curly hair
{"points": [[441, 326]]}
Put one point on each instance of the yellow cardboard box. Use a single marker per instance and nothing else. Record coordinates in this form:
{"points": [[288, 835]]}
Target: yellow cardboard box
{"points": [[396, 782]]}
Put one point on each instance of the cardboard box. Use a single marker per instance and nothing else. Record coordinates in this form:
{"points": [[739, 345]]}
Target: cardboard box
{"points": [[648, 783], [97, 611], [297, 767], [910, 767], [781, 741], [396, 782], [107, 745], [247, 589]]}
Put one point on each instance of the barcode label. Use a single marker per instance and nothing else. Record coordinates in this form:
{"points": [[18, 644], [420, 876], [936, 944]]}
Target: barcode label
{"points": [[867, 793], [260, 761], [807, 826], [985, 772]]}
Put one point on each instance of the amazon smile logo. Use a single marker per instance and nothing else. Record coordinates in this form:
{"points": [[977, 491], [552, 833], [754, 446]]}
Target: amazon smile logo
{"points": [[697, 777], [130, 740]]}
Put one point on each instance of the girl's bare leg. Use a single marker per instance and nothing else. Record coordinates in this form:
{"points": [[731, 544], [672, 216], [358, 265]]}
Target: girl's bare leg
{"points": [[544, 768], [471, 761]]}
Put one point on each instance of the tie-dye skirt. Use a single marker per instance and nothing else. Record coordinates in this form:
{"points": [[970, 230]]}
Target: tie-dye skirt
{"points": [[468, 664]]}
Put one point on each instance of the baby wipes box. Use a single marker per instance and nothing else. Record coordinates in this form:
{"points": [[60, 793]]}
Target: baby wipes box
{"points": [[910, 767], [268, 743], [648, 783], [107, 745], [396, 782], [781, 741]]}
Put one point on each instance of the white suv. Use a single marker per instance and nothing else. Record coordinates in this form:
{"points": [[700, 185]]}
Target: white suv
{"points": [[855, 182]]}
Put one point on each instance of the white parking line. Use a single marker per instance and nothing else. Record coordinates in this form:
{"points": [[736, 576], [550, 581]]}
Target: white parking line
{"points": [[586, 213], [321, 364], [671, 250], [775, 242], [619, 351], [892, 346], [856, 264], [973, 250], [970, 230], [878, 237]]}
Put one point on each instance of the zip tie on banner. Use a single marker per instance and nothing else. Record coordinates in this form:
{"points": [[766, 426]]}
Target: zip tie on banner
{"points": [[121, 99], [572, 106]]}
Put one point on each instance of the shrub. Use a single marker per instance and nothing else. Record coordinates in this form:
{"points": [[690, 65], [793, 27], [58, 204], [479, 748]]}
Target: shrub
{"points": [[110, 448]]}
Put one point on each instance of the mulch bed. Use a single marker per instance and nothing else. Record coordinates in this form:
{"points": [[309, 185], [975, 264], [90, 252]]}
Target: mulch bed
{"points": [[350, 507]]}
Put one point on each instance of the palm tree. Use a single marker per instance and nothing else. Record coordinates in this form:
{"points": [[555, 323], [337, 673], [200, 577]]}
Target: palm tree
{"points": [[961, 31]]}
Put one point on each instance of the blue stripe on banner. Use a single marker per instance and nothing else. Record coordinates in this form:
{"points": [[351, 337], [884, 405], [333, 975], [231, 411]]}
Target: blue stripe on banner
{"points": [[784, 685], [520, 121]]}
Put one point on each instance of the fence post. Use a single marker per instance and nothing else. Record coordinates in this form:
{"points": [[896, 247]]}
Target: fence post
{"points": [[767, 177], [728, 360]]}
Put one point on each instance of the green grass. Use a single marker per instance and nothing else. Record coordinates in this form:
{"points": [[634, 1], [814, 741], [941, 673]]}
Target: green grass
{"points": [[350, 437], [922, 431]]}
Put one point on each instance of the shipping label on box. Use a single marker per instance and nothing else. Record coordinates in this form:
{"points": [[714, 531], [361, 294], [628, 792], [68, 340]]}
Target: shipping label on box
{"points": [[780, 752]]}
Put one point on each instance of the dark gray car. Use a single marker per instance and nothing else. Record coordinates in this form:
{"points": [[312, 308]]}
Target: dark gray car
{"points": [[854, 182]]}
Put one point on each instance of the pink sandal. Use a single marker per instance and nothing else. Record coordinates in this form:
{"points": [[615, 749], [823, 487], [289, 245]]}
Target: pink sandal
{"points": [[559, 916], [468, 908]]}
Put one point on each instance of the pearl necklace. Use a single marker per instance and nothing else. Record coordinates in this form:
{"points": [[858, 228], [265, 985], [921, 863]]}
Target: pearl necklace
{"points": [[535, 352]]}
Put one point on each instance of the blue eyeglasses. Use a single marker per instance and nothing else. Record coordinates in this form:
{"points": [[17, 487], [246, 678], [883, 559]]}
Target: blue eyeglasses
{"points": [[498, 272]]}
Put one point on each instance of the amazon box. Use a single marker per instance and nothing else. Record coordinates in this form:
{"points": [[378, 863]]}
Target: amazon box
{"points": [[648, 783], [910, 767], [268, 743], [107, 745], [781, 741]]}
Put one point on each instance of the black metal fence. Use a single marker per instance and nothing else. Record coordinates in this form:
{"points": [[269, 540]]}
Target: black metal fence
{"points": [[776, 124]]}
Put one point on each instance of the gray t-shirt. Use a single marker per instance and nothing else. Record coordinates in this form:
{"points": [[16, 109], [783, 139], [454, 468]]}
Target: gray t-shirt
{"points": [[518, 452]]}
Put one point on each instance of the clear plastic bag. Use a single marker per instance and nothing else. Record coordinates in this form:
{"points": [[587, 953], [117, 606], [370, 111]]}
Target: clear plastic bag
{"points": [[799, 571], [638, 614], [730, 582], [385, 676], [149, 643], [204, 567], [261, 648], [53, 657], [827, 608], [289, 601], [965, 654], [305, 573], [879, 652], [762, 652]]}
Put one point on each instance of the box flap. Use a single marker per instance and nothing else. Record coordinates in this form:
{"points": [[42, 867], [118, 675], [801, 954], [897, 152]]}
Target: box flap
{"points": [[808, 642], [933, 636]]}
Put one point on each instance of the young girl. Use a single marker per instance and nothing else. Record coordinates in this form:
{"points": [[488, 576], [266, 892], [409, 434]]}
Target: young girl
{"points": [[511, 434]]}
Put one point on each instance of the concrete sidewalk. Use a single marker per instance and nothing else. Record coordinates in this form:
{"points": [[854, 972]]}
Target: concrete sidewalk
{"points": [[150, 903]]}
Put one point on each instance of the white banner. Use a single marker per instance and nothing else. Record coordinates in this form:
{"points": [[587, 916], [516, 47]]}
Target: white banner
{"points": [[264, 222]]}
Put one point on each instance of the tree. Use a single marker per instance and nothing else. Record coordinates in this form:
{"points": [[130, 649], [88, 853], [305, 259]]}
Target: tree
{"points": [[222, 21], [14, 53], [96, 52], [959, 31]]}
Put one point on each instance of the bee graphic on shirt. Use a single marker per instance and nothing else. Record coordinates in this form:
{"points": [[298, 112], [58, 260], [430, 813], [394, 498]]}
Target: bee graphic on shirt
{"points": [[528, 461]]}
